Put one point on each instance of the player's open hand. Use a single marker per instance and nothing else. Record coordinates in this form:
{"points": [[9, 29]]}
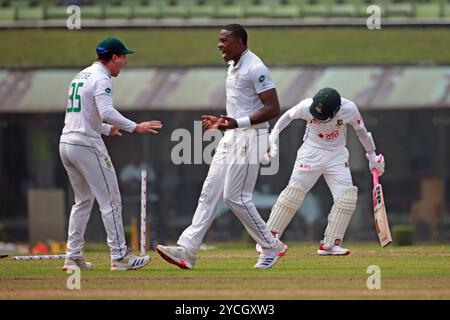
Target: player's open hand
{"points": [[226, 123], [115, 132], [150, 127], [210, 122]]}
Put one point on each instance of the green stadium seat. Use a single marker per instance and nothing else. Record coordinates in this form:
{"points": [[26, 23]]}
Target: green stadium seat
{"points": [[395, 8], [148, 10], [118, 11], [203, 8], [7, 14], [344, 8], [258, 8], [427, 9], [286, 9], [230, 9], [444, 8], [30, 13], [315, 8], [92, 12], [175, 9], [55, 12]]}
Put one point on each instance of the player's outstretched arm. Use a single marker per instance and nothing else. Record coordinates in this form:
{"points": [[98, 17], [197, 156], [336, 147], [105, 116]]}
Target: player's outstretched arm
{"points": [[151, 127], [281, 124]]}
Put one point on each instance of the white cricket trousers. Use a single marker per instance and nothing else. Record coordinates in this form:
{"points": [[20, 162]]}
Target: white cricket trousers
{"points": [[92, 175], [313, 162], [232, 175]]}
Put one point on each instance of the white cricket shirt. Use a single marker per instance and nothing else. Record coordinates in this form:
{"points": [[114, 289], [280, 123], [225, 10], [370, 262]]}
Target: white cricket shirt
{"points": [[243, 84], [330, 135], [90, 102]]}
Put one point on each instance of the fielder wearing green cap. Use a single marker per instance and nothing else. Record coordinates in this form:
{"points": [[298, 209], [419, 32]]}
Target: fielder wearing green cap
{"points": [[323, 152], [90, 113], [112, 46], [112, 53]]}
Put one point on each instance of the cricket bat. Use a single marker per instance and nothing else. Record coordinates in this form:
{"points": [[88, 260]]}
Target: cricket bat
{"points": [[379, 211]]}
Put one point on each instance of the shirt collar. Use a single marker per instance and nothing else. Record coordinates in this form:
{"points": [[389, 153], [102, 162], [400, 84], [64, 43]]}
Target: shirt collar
{"points": [[103, 68], [240, 59]]}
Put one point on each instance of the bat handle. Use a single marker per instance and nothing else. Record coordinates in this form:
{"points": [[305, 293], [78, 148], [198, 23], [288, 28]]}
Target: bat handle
{"points": [[375, 177]]}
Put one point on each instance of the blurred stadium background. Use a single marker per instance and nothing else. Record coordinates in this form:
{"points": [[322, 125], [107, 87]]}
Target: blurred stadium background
{"points": [[399, 77]]}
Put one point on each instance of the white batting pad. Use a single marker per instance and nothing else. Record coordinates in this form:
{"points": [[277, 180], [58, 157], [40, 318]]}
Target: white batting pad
{"points": [[339, 217], [283, 211]]}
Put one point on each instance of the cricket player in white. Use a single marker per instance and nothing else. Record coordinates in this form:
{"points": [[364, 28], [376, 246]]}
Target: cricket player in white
{"points": [[251, 101], [86, 159], [323, 152]]}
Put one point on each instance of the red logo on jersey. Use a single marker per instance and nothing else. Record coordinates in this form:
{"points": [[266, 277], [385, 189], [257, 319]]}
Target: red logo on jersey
{"points": [[358, 121], [314, 121], [304, 166], [329, 136]]}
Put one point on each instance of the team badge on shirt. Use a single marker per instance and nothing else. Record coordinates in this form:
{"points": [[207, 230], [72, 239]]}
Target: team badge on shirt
{"points": [[339, 123], [262, 78], [319, 108], [108, 90], [108, 163]]}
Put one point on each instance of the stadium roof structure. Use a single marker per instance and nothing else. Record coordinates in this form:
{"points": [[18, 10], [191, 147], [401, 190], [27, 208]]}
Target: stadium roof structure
{"points": [[203, 88]]}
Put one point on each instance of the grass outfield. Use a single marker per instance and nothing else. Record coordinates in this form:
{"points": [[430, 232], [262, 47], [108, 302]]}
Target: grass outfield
{"points": [[158, 47], [419, 272]]}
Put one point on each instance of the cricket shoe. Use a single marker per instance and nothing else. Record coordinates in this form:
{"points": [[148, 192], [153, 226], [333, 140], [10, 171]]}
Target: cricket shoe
{"points": [[259, 249], [269, 257], [76, 263], [129, 262], [178, 256], [336, 250]]}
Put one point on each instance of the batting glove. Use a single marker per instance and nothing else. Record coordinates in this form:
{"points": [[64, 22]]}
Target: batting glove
{"points": [[376, 162], [273, 151]]}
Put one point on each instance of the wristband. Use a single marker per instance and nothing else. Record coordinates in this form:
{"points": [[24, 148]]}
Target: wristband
{"points": [[243, 122]]}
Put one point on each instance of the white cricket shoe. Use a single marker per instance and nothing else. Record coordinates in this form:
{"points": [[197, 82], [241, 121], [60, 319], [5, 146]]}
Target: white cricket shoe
{"points": [[336, 250], [76, 263], [269, 257], [258, 247], [129, 262], [178, 256]]}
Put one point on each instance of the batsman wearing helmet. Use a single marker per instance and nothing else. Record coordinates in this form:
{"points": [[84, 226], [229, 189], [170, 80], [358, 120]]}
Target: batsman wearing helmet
{"points": [[323, 152]]}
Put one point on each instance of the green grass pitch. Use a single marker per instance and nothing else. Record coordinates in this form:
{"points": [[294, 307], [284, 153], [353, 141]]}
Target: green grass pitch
{"points": [[418, 272]]}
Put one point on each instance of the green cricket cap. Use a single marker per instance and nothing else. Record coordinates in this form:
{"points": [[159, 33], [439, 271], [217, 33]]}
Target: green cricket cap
{"points": [[325, 103], [112, 45]]}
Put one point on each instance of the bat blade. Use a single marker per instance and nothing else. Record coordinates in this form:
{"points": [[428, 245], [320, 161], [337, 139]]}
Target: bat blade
{"points": [[381, 221]]}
